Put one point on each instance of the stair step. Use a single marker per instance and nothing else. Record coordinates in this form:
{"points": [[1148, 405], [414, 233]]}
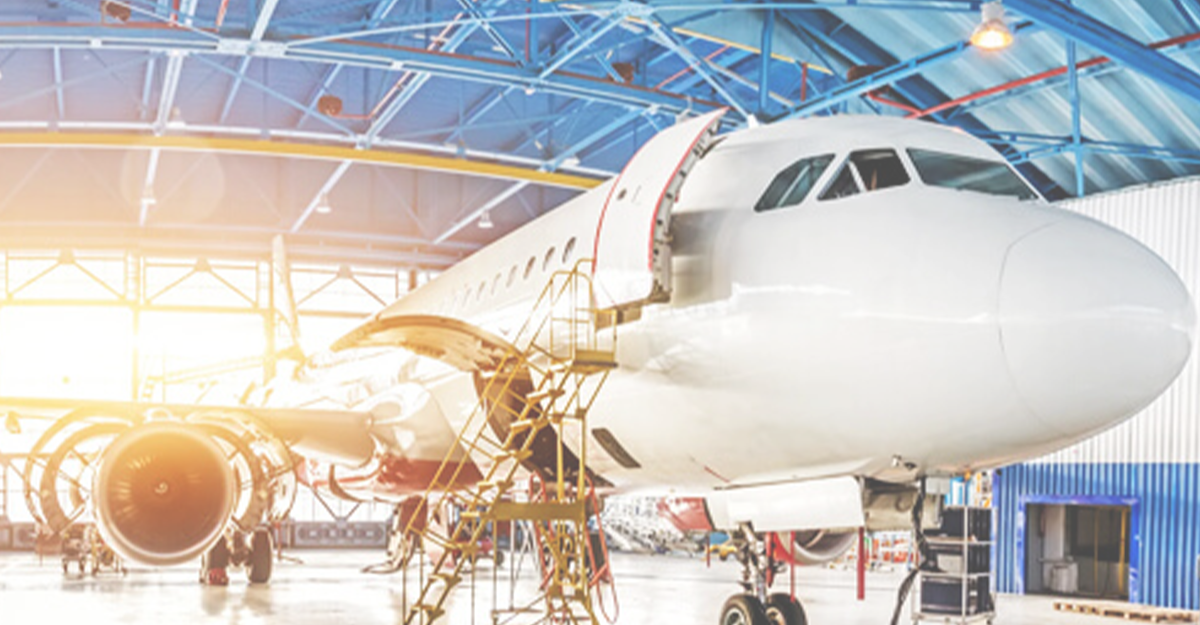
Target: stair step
{"points": [[431, 611], [449, 579], [536, 397], [528, 424], [502, 486]]}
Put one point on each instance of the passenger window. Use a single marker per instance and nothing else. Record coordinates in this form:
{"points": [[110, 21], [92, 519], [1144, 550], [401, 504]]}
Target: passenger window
{"points": [[548, 259], [495, 283], [529, 267], [568, 250], [512, 276], [869, 170], [479, 293], [791, 185]]}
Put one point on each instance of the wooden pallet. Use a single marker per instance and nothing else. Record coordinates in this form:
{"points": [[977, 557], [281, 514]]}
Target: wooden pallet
{"points": [[1129, 611]]}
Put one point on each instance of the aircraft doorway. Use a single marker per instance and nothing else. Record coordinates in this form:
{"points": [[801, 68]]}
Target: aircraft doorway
{"points": [[1078, 550]]}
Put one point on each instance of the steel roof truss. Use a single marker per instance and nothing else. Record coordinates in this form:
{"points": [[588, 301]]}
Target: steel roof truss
{"points": [[668, 39], [276, 95], [1079, 26]]}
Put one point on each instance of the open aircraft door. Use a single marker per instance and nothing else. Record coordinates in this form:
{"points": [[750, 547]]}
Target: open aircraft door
{"points": [[632, 255]]}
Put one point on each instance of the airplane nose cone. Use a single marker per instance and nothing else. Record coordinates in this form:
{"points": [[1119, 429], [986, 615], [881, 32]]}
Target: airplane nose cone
{"points": [[1094, 325]]}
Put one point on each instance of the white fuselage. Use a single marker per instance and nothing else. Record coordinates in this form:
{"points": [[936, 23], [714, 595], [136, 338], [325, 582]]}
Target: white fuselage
{"points": [[894, 332]]}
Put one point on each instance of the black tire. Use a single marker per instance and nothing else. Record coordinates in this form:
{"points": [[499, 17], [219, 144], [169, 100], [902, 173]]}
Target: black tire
{"points": [[782, 609], [262, 557], [744, 610]]}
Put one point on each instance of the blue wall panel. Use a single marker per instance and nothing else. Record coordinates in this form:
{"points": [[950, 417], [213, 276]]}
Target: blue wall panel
{"points": [[1165, 528]]}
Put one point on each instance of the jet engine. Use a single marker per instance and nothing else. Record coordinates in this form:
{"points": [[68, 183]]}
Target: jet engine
{"points": [[821, 546], [161, 488], [164, 493]]}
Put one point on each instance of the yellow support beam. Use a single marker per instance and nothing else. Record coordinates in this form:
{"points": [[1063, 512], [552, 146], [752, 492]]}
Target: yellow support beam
{"points": [[514, 511], [288, 149]]}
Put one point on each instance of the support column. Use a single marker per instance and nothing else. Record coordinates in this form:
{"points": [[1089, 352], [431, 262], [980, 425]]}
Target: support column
{"points": [[862, 563], [1076, 116], [764, 67]]}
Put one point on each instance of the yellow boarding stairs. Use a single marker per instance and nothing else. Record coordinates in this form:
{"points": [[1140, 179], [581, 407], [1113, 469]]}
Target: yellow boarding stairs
{"points": [[540, 392]]}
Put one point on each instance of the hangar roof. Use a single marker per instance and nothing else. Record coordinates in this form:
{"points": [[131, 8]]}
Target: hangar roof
{"points": [[386, 129]]}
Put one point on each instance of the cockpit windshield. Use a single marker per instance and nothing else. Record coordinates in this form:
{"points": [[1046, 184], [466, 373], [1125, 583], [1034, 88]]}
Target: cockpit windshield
{"points": [[954, 171]]}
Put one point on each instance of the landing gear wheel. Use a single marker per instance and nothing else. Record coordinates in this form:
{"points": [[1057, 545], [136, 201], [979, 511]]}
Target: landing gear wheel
{"points": [[744, 610], [261, 557], [782, 609]]}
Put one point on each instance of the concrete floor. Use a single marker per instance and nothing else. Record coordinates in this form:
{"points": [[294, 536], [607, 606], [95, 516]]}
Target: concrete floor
{"points": [[328, 589]]}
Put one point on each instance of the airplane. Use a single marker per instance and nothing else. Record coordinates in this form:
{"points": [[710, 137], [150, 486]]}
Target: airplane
{"points": [[816, 318]]}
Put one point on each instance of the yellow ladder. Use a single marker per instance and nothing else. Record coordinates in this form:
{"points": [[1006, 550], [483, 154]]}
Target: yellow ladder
{"points": [[548, 381]]}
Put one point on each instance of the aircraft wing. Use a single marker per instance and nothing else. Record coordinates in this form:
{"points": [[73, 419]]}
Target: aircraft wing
{"points": [[341, 436]]}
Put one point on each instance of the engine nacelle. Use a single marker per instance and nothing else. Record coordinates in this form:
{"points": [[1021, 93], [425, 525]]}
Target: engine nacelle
{"points": [[164, 493], [820, 546]]}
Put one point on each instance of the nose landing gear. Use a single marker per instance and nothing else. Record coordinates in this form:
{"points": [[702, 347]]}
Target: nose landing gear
{"points": [[757, 605]]}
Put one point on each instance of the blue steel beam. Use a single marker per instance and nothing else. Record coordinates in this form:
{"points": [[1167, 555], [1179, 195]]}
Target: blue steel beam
{"points": [[581, 43], [1076, 116], [492, 100], [83, 79], [690, 81], [593, 137], [439, 19], [885, 77], [481, 21], [170, 86], [58, 83], [256, 35], [481, 108], [378, 13], [1056, 82], [578, 32], [669, 40], [1113, 148], [274, 94], [764, 61], [370, 56], [147, 200], [570, 109], [1188, 11], [1079, 26], [148, 85], [416, 82]]}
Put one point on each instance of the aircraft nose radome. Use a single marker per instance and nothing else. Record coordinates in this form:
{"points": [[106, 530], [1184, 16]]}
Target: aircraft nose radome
{"points": [[1094, 325]]}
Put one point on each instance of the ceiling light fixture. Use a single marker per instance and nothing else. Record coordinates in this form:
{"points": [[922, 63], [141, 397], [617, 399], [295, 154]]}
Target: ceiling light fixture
{"points": [[175, 119], [148, 196], [323, 207], [485, 220], [992, 33]]}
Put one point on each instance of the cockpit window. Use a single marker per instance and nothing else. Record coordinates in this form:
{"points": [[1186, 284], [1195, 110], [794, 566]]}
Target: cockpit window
{"points": [[953, 171], [791, 185], [843, 185], [868, 170]]}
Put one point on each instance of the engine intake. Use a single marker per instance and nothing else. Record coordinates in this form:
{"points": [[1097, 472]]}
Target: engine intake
{"points": [[820, 546], [164, 493]]}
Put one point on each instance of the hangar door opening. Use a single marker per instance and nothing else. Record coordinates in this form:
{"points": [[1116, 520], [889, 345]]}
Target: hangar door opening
{"points": [[1078, 550]]}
